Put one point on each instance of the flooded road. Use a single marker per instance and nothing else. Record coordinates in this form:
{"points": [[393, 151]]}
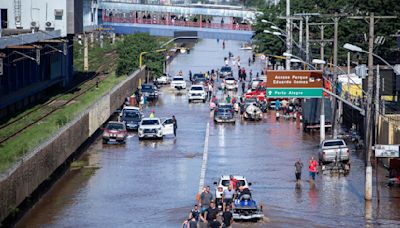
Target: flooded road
{"points": [[153, 183]]}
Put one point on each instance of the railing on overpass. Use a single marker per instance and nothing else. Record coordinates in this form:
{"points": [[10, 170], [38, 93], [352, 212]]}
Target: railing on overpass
{"points": [[200, 24]]}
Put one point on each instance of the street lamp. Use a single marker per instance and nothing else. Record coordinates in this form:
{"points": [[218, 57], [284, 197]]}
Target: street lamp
{"points": [[318, 61], [355, 48], [277, 28]]}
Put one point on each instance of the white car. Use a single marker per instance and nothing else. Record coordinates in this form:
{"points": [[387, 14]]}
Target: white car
{"points": [[254, 83], [223, 184], [178, 83], [197, 92], [229, 83], [154, 128], [164, 79]]}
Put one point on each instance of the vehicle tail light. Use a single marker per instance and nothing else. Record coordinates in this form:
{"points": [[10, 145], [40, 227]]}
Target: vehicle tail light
{"points": [[220, 189]]}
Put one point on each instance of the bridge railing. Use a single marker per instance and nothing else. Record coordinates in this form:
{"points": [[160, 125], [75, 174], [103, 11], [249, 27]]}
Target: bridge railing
{"points": [[134, 20]]}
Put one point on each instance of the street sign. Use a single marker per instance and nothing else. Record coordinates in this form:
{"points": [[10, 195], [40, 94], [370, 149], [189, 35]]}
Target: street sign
{"points": [[294, 79], [387, 151], [294, 92]]}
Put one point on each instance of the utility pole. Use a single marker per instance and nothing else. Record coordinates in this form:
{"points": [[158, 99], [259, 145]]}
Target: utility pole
{"points": [[369, 119], [307, 19], [288, 34], [85, 53], [336, 114]]}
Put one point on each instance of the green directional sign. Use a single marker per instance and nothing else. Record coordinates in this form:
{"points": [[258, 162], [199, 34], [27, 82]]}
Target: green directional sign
{"points": [[294, 92]]}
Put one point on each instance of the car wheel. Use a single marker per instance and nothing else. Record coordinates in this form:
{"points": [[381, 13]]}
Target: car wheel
{"points": [[189, 100], [140, 138], [204, 100]]}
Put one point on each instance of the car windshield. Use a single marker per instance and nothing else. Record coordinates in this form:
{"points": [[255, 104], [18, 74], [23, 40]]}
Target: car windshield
{"points": [[115, 126], [199, 77], [252, 100], [226, 69], [224, 110], [225, 106], [147, 87], [178, 79], [150, 122], [227, 182], [131, 114], [334, 143], [196, 88]]}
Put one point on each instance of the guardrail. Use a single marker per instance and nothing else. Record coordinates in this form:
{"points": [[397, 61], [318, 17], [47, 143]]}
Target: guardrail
{"points": [[133, 20]]}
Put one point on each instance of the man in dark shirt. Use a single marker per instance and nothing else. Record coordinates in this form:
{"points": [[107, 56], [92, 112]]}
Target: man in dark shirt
{"points": [[214, 223], [227, 217], [210, 213], [299, 166]]}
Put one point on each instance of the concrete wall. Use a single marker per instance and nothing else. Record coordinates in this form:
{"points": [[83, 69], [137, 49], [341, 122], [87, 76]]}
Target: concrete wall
{"points": [[22, 179], [389, 129]]}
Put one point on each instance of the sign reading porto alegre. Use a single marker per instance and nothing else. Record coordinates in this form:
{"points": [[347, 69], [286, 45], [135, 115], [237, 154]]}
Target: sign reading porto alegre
{"points": [[294, 84]]}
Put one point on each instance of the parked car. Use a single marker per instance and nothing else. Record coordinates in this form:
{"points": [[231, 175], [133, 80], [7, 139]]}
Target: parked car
{"points": [[224, 115], [332, 150], [114, 132], [178, 83], [222, 184], [149, 91], [259, 92], [229, 83], [154, 128], [254, 83], [197, 92], [225, 71], [199, 79], [163, 79], [131, 116]]}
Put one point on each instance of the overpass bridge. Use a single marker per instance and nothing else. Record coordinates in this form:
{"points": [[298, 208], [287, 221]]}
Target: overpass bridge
{"points": [[187, 9], [130, 18]]}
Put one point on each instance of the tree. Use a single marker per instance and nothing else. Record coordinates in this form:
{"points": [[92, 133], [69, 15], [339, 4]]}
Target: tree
{"points": [[129, 51]]}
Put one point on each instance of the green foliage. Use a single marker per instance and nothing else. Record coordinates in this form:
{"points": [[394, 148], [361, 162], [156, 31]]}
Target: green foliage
{"points": [[129, 51], [350, 30]]}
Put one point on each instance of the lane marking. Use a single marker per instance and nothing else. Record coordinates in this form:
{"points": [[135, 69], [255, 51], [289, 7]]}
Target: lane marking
{"points": [[205, 159]]}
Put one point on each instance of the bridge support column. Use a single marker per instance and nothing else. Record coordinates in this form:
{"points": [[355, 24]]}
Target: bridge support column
{"points": [[201, 21]]}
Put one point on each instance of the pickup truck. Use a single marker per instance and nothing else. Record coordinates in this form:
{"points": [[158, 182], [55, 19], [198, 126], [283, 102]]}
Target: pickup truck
{"points": [[333, 149]]}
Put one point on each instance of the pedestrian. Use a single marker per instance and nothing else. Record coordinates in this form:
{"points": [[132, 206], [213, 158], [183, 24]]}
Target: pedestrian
{"points": [[257, 75], [227, 217], [251, 74], [238, 63], [223, 44], [227, 197], [226, 61], [249, 61], [228, 99], [190, 75], [209, 213], [175, 122], [243, 86], [254, 57], [152, 114], [312, 168], [298, 167], [205, 199], [214, 222], [210, 90], [239, 74], [195, 213]]}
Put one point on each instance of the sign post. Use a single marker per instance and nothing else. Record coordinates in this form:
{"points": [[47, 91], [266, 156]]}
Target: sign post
{"points": [[297, 84]]}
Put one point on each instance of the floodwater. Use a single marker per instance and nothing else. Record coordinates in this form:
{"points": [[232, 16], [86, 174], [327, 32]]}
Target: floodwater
{"points": [[153, 183]]}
